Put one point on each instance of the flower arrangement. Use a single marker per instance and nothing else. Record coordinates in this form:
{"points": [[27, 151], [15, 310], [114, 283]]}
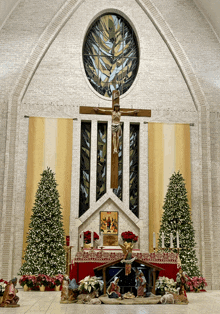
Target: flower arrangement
{"points": [[164, 284], [195, 283], [58, 279], [52, 283], [90, 284], [87, 236], [3, 284], [44, 280], [29, 280], [129, 236], [33, 281]]}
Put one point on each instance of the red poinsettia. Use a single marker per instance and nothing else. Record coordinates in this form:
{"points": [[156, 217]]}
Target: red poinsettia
{"points": [[129, 236], [195, 283], [87, 237], [44, 280], [29, 280]]}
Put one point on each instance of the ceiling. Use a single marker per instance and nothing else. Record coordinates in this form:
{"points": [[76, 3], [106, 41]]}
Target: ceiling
{"points": [[211, 10]]}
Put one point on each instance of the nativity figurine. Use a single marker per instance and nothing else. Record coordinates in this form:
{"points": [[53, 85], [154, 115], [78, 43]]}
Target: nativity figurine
{"points": [[10, 299], [128, 260], [113, 290], [140, 283]]}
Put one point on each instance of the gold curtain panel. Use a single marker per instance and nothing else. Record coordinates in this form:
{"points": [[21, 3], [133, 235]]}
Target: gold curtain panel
{"points": [[168, 151], [49, 145]]}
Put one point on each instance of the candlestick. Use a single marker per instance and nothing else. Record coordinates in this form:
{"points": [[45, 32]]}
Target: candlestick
{"points": [[177, 240], [92, 239], [82, 239], [101, 239], [162, 240], [67, 240], [154, 240], [171, 240]]}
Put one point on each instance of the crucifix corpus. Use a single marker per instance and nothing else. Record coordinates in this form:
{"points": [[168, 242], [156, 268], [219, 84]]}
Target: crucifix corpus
{"points": [[116, 113]]}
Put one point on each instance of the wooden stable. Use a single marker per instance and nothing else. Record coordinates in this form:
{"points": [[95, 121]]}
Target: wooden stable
{"points": [[127, 283]]}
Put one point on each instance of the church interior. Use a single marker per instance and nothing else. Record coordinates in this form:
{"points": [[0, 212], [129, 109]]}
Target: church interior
{"points": [[119, 102]]}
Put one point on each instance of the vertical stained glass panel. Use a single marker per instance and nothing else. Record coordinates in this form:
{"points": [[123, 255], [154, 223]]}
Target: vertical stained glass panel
{"points": [[118, 192], [101, 160], [85, 167], [134, 168]]}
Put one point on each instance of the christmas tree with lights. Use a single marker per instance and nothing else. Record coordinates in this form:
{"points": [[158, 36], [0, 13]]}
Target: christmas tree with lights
{"points": [[177, 217], [45, 252]]}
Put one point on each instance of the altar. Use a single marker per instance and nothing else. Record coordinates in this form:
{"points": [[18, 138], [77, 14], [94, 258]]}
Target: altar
{"points": [[85, 261]]}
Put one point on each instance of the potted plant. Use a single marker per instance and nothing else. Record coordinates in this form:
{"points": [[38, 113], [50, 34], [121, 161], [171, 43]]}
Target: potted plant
{"points": [[129, 236], [28, 281], [87, 238], [195, 284], [3, 284], [91, 284], [165, 284], [52, 284], [43, 281], [58, 279]]}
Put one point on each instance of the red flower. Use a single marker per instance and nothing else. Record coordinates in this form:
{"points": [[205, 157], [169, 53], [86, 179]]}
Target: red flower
{"points": [[129, 236], [87, 236]]}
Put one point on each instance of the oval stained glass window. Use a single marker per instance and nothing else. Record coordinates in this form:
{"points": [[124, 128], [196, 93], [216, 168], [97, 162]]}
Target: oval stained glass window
{"points": [[110, 55]]}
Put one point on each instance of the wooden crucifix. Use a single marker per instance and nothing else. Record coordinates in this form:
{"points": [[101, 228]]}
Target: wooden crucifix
{"points": [[116, 113]]}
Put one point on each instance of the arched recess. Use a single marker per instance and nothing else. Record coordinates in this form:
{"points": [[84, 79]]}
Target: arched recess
{"points": [[44, 42]]}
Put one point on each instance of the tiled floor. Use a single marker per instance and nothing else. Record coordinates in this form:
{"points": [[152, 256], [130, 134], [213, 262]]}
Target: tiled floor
{"points": [[34, 302]]}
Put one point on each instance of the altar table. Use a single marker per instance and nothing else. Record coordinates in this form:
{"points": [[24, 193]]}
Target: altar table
{"points": [[86, 260]]}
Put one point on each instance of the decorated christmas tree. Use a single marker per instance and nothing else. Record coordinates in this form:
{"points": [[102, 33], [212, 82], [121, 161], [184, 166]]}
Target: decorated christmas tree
{"points": [[45, 252], [177, 217]]}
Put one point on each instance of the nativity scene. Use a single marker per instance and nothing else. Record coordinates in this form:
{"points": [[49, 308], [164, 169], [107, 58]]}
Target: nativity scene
{"points": [[109, 155]]}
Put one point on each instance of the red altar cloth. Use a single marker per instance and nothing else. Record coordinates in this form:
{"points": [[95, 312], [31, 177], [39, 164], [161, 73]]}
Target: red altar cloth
{"points": [[85, 261]]}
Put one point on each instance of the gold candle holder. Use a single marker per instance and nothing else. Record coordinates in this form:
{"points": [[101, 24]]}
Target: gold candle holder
{"points": [[68, 258]]}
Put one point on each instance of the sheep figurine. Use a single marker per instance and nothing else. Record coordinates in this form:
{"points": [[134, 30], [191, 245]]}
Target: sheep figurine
{"points": [[167, 299]]}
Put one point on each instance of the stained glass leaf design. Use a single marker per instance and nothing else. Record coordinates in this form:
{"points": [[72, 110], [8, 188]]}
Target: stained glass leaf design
{"points": [[134, 134], [85, 167], [101, 160], [110, 55]]}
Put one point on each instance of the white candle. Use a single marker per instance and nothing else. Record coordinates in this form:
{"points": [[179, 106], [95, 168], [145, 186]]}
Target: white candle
{"points": [[92, 239], [171, 240], [154, 240], [162, 240], [177, 240], [101, 238], [82, 239]]}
